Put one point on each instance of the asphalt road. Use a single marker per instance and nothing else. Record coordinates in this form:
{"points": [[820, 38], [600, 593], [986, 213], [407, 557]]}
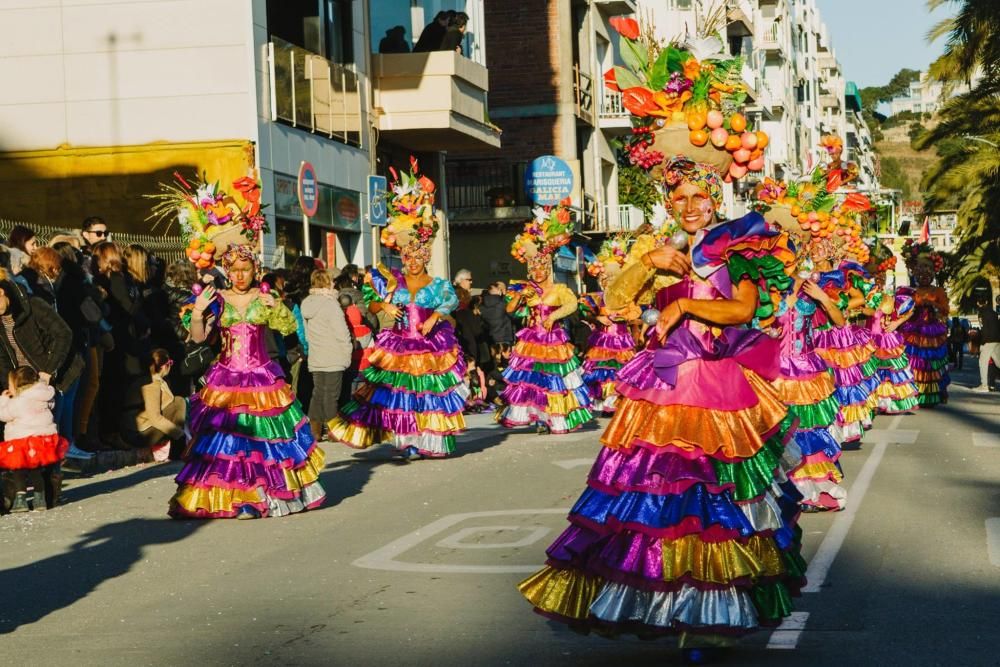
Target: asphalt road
{"points": [[416, 563]]}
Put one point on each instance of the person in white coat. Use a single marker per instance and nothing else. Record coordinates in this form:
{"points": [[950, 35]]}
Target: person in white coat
{"points": [[330, 348]]}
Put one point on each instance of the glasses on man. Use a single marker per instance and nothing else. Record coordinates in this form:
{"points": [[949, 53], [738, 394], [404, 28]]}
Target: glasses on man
{"points": [[100, 233]]}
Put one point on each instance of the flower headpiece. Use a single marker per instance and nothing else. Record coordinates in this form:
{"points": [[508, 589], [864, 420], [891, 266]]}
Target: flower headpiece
{"points": [[680, 169], [237, 253], [915, 254], [831, 143], [613, 252], [210, 220], [695, 88], [548, 231], [414, 220], [881, 260]]}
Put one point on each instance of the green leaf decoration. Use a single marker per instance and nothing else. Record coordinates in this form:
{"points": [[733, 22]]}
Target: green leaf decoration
{"points": [[626, 79], [634, 55], [660, 74], [676, 58]]}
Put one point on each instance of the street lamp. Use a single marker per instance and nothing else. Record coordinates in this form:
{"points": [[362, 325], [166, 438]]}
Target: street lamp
{"points": [[982, 140]]}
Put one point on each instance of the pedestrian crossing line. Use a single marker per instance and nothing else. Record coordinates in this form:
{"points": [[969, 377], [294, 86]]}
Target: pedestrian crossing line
{"points": [[821, 563], [786, 636], [993, 540], [988, 440]]}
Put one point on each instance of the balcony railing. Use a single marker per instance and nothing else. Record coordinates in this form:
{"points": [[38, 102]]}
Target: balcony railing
{"points": [[770, 39], [611, 104], [485, 184], [625, 218], [583, 90], [740, 12], [310, 92]]}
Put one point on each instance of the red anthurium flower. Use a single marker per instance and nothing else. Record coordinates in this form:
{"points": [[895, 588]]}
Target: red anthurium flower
{"points": [[626, 27], [426, 184], [610, 81], [638, 101]]}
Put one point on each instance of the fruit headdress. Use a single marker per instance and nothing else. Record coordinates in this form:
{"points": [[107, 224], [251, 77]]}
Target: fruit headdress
{"points": [[413, 218], [921, 255], [611, 256], [548, 231], [684, 99], [210, 219]]}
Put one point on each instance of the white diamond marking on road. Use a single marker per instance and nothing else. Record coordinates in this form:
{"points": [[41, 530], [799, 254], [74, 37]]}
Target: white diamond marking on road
{"points": [[569, 464], [786, 636], [455, 540], [386, 557], [993, 540], [989, 440]]}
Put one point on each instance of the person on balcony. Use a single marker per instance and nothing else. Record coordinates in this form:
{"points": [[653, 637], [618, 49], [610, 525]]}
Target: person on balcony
{"points": [[455, 35], [433, 33]]}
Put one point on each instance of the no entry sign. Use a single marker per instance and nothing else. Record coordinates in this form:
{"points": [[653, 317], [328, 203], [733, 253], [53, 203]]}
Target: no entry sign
{"points": [[308, 189]]}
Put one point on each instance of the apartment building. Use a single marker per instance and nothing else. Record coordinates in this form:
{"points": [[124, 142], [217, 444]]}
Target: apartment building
{"points": [[104, 100]]}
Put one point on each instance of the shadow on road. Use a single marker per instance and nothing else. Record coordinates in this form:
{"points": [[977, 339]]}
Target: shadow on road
{"points": [[33, 591], [74, 491]]}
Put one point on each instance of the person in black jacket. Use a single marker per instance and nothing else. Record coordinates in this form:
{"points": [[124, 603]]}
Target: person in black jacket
{"points": [[499, 326], [433, 34], [989, 348], [455, 34]]}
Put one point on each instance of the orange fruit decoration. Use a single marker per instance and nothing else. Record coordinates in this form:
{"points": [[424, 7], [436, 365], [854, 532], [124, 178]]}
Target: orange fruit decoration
{"points": [[737, 122], [719, 137], [762, 139], [714, 119], [733, 143], [698, 137], [696, 120]]}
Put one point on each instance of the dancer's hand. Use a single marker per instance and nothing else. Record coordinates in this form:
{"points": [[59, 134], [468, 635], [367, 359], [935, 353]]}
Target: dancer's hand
{"points": [[669, 259], [267, 299], [428, 326], [815, 291], [549, 322], [392, 310], [669, 318], [205, 299]]}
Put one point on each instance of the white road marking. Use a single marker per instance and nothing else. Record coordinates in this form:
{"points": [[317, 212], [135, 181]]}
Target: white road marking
{"points": [[993, 540], [385, 557], [820, 565], [569, 464], [454, 541], [786, 635], [990, 440]]}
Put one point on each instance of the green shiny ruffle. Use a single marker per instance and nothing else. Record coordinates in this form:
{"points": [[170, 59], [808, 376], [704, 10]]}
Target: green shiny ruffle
{"points": [[818, 415], [276, 427], [904, 404], [578, 418], [895, 363], [417, 384], [561, 370], [772, 600], [751, 477]]}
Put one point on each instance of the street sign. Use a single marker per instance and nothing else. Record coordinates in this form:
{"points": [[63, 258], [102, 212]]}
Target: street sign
{"points": [[308, 189], [548, 180], [377, 188]]}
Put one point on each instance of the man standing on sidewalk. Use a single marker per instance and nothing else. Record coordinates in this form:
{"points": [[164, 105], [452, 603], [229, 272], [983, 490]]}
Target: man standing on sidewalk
{"points": [[989, 328]]}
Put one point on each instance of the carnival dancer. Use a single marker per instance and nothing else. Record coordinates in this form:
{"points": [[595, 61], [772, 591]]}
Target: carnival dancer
{"points": [[414, 391], [251, 453], [544, 379], [686, 527], [805, 383], [897, 393], [926, 332], [611, 345]]}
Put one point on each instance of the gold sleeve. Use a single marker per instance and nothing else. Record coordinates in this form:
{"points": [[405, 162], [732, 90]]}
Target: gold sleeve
{"points": [[625, 289], [566, 300]]}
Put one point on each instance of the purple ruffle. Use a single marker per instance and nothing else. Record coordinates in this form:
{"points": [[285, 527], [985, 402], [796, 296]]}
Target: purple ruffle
{"points": [[837, 338], [888, 340], [400, 423], [539, 336], [268, 375], [927, 329], [802, 365], [234, 474], [401, 342], [608, 340], [644, 470]]}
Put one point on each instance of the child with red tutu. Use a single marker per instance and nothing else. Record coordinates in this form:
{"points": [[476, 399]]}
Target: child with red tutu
{"points": [[544, 379], [31, 443]]}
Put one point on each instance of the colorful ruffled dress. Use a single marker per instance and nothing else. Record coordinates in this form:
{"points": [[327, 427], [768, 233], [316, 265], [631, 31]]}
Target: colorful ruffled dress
{"points": [[851, 357], [251, 450], [413, 392], [806, 386], [544, 378], [926, 337], [897, 393], [609, 347], [687, 524]]}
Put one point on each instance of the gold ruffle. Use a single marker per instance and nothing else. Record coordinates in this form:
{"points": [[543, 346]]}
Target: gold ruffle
{"points": [[413, 364], [888, 390], [257, 401], [602, 354], [721, 562], [568, 593], [562, 404], [818, 470], [846, 358], [856, 413], [924, 342], [553, 354], [360, 436], [805, 392], [736, 433]]}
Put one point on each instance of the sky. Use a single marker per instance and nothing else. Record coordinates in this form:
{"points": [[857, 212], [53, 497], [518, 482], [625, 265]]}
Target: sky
{"points": [[874, 39]]}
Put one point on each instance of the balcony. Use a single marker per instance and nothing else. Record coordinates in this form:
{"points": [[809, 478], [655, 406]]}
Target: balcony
{"points": [[485, 191], [432, 102], [827, 61], [829, 101], [750, 80], [771, 39], [625, 218], [583, 93], [312, 93], [613, 115], [739, 14], [616, 7]]}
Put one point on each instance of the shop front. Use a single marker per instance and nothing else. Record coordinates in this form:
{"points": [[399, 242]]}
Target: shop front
{"points": [[334, 233]]}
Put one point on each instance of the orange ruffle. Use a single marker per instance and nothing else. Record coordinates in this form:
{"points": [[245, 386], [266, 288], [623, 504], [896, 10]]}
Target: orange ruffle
{"points": [[601, 354], [736, 433], [924, 342], [556, 354], [805, 392], [413, 364], [256, 401], [847, 358], [892, 353]]}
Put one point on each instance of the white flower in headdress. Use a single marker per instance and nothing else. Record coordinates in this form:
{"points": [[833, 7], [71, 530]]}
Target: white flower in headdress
{"points": [[707, 48], [540, 214], [660, 216]]}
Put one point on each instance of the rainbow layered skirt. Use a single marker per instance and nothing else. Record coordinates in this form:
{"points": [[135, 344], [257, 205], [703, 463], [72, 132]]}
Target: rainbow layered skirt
{"points": [[849, 352], [927, 350], [608, 349]]}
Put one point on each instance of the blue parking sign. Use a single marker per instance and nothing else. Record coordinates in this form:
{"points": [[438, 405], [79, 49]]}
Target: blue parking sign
{"points": [[377, 202]]}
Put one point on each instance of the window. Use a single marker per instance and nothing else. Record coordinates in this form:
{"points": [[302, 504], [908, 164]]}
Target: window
{"points": [[682, 4], [319, 26]]}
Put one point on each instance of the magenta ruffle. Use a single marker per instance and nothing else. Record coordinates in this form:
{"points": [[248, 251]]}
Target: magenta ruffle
{"points": [[268, 377], [539, 336], [442, 339], [698, 382], [648, 471], [802, 366], [611, 340]]}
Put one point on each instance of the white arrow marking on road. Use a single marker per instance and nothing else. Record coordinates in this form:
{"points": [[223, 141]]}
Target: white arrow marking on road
{"points": [[569, 464], [786, 635], [993, 540], [990, 440], [820, 565]]}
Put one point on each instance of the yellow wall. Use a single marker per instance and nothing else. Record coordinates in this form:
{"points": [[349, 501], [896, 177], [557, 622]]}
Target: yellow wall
{"points": [[61, 187]]}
